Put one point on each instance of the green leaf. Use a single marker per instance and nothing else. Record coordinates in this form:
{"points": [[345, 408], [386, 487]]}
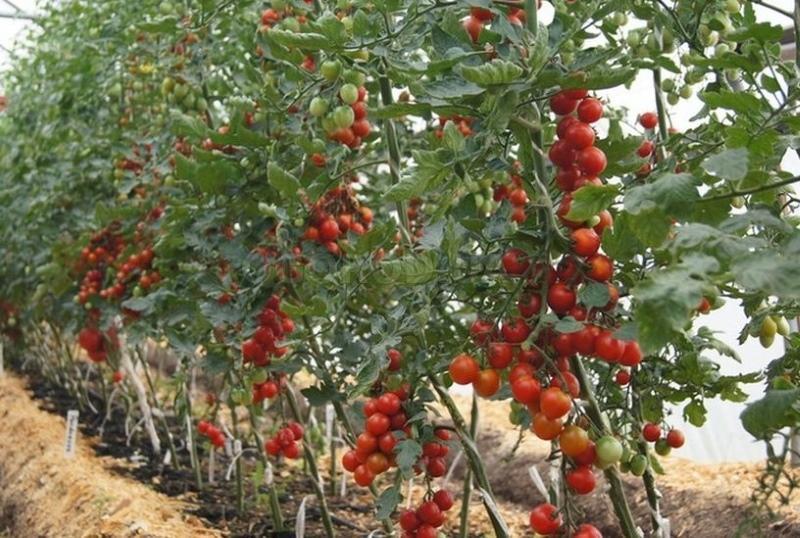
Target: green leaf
{"points": [[210, 177], [695, 413], [731, 164], [589, 200], [305, 41], [742, 102], [651, 226], [387, 502], [317, 396], [672, 193], [282, 180], [451, 88], [761, 31], [769, 272], [778, 409], [594, 295], [411, 270], [493, 73], [408, 452], [430, 169], [569, 324]]}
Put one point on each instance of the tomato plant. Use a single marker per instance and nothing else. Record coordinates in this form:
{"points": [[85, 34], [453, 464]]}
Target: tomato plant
{"points": [[353, 207]]}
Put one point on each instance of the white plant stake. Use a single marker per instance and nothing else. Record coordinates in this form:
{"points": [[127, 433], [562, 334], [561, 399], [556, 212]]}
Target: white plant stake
{"points": [[269, 477], [141, 396], [237, 452], [211, 460], [300, 522], [329, 413], [343, 486], [537, 481], [71, 433], [408, 493]]}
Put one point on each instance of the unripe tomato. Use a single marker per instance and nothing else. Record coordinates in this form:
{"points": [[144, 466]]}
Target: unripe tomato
{"points": [[487, 383], [585, 242], [554, 403], [638, 464], [330, 69], [581, 480], [348, 93], [343, 117], [573, 440], [318, 107], [545, 428], [651, 432], [663, 448], [545, 520], [464, 369], [675, 438], [609, 451]]}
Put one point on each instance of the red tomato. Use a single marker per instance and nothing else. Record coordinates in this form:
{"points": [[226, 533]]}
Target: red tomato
{"points": [[601, 268], [554, 403], [675, 438], [525, 390], [561, 298], [363, 476], [515, 261], [464, 369], [544, 428], [651, 432], [473, 27], [632, 355], [545, 520], [500, 354], [590, 110], [562, 104], [649, 120], [573, 440], [562, 154], [585, 242], [530, 305], [587, 531], [580, 135], [515, 331], [487, 383], [591, 161], [608, 348], [588, 456], [581, 480]]}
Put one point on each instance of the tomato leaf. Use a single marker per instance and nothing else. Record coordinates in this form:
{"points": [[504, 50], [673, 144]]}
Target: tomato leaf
{"points": [[778, 409], [589, 200]]}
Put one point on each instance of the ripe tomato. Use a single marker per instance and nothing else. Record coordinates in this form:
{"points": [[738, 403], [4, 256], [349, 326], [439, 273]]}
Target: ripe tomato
{"points": [[361, 128], [567, 177], [253, 352], [573, 385], [567, 269], [377, 463], [575, 93], [562, 104], [429, 512], [601, 268], [584, 340], [500, 354], [515, 261], [525, 390], [585, 242], [561, 298], [515, 331], [366, 444], [481, 331], [545, 519], [377, 424], [590, 110], [529, 305], [588, 456], [573, 440], [645, 149], [562, 343], [482, 14], [622, 378], [518, 197], [581, 480], [388, 404], [587, 531], [395, 359], [409, 520], [427, 531], [554, 403], [651, 432], [443, 500], [591, 161], [487, 383], [632, 355], [648, 120], [473, 27], [464, 369], [359, 110], [436, 467], [562, 154], [675, 438], [606, 221], [546, 429], [608, 348], [329, 230], [579, 135], [363, 476], [349, 461], [521, 370], [564, 124], [387, 442]]}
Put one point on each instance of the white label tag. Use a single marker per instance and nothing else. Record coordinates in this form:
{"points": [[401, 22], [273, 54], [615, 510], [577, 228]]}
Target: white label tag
{"points": [[268, 476], [300, 522], [228, 448], [72, 433], [167, 458], [329, 414], [537, 481], [343, 486], [408, 493], [211, 461]]}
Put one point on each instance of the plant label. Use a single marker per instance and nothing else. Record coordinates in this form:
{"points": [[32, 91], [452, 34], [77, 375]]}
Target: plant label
{"points": [[71, 433]]}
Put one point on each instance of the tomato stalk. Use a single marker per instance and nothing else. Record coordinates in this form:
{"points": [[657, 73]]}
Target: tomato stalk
{"points": [[311, 462], [193, 459], [463, 528], [162, 420], [616, 493]]}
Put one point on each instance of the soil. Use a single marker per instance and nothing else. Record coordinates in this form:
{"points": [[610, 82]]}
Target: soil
{"points": [[112, 489]]}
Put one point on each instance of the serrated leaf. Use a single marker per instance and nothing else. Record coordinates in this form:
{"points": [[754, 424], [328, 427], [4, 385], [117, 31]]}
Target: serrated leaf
{"points": [[387, 502], [589, 200], [730, 164], [775, 411], [282, 180], [305, 41], [672, 193], [493, 73], [411, 270], [594, 295], [568, 325], [407, 453]]}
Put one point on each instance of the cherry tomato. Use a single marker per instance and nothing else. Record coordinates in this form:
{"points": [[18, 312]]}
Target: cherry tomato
{"points": [[487, 383], [573, 440], [545, 520], [464, 369], [581, 480], [554, 403], [590, 110]]}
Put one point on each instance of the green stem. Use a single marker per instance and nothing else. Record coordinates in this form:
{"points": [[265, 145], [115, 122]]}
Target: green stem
{"points": [[161, 419], [194, 459], [311, 462], [274, 502], [463, 528], [616, 493], [473, 458]]}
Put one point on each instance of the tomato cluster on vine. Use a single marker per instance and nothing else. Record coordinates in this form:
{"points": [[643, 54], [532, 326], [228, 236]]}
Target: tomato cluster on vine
{"points": [[347, 123], [286, 442], [97, 344], [424, 521], [335, 214], [214, 434], [478, 17], [515, 194], [273, 325]]}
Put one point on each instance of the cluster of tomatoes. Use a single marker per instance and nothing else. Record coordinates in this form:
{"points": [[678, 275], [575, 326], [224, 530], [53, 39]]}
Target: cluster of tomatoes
{"points": [[273, 325], [335, 214], [266, 390], [374, 451], [428, 517], [214, 434], [478, 17], [103, 248], [138, 264], [516, 196], [347, 123], [463, 123], [648, 120], [286, 441], [652, 434], [94, 343], [545, 520]]}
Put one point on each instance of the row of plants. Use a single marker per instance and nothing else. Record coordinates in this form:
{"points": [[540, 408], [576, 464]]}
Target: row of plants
{"points": [[358, 204]]}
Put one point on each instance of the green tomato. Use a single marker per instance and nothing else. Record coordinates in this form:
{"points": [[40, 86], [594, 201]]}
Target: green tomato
{"points": [[278, 5], [634, 39], [238, 396], [180, 90], [620, 18], [738, 202], [259, 376], [609, 451], [479, 200], [354, 77], [686, 91], [594, 221], [347, 22], [673, 98], [783, 325], [137, 292], [343, 116], [115, 90], [721, 49], [328, 123], [668, 85], [318, 107], [732, 6], [201, 105], [349, 94], [638, 464], [330, 69], [488, 206], [662, 448], [317, 146]]}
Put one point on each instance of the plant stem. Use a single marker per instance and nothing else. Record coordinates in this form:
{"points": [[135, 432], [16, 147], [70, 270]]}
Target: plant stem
{"points": [[752, 190], [474, 459], [195, 461], [274, 502], [311, 462], [616, 493], [238, 465], [161, 418], [463, 528]]}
